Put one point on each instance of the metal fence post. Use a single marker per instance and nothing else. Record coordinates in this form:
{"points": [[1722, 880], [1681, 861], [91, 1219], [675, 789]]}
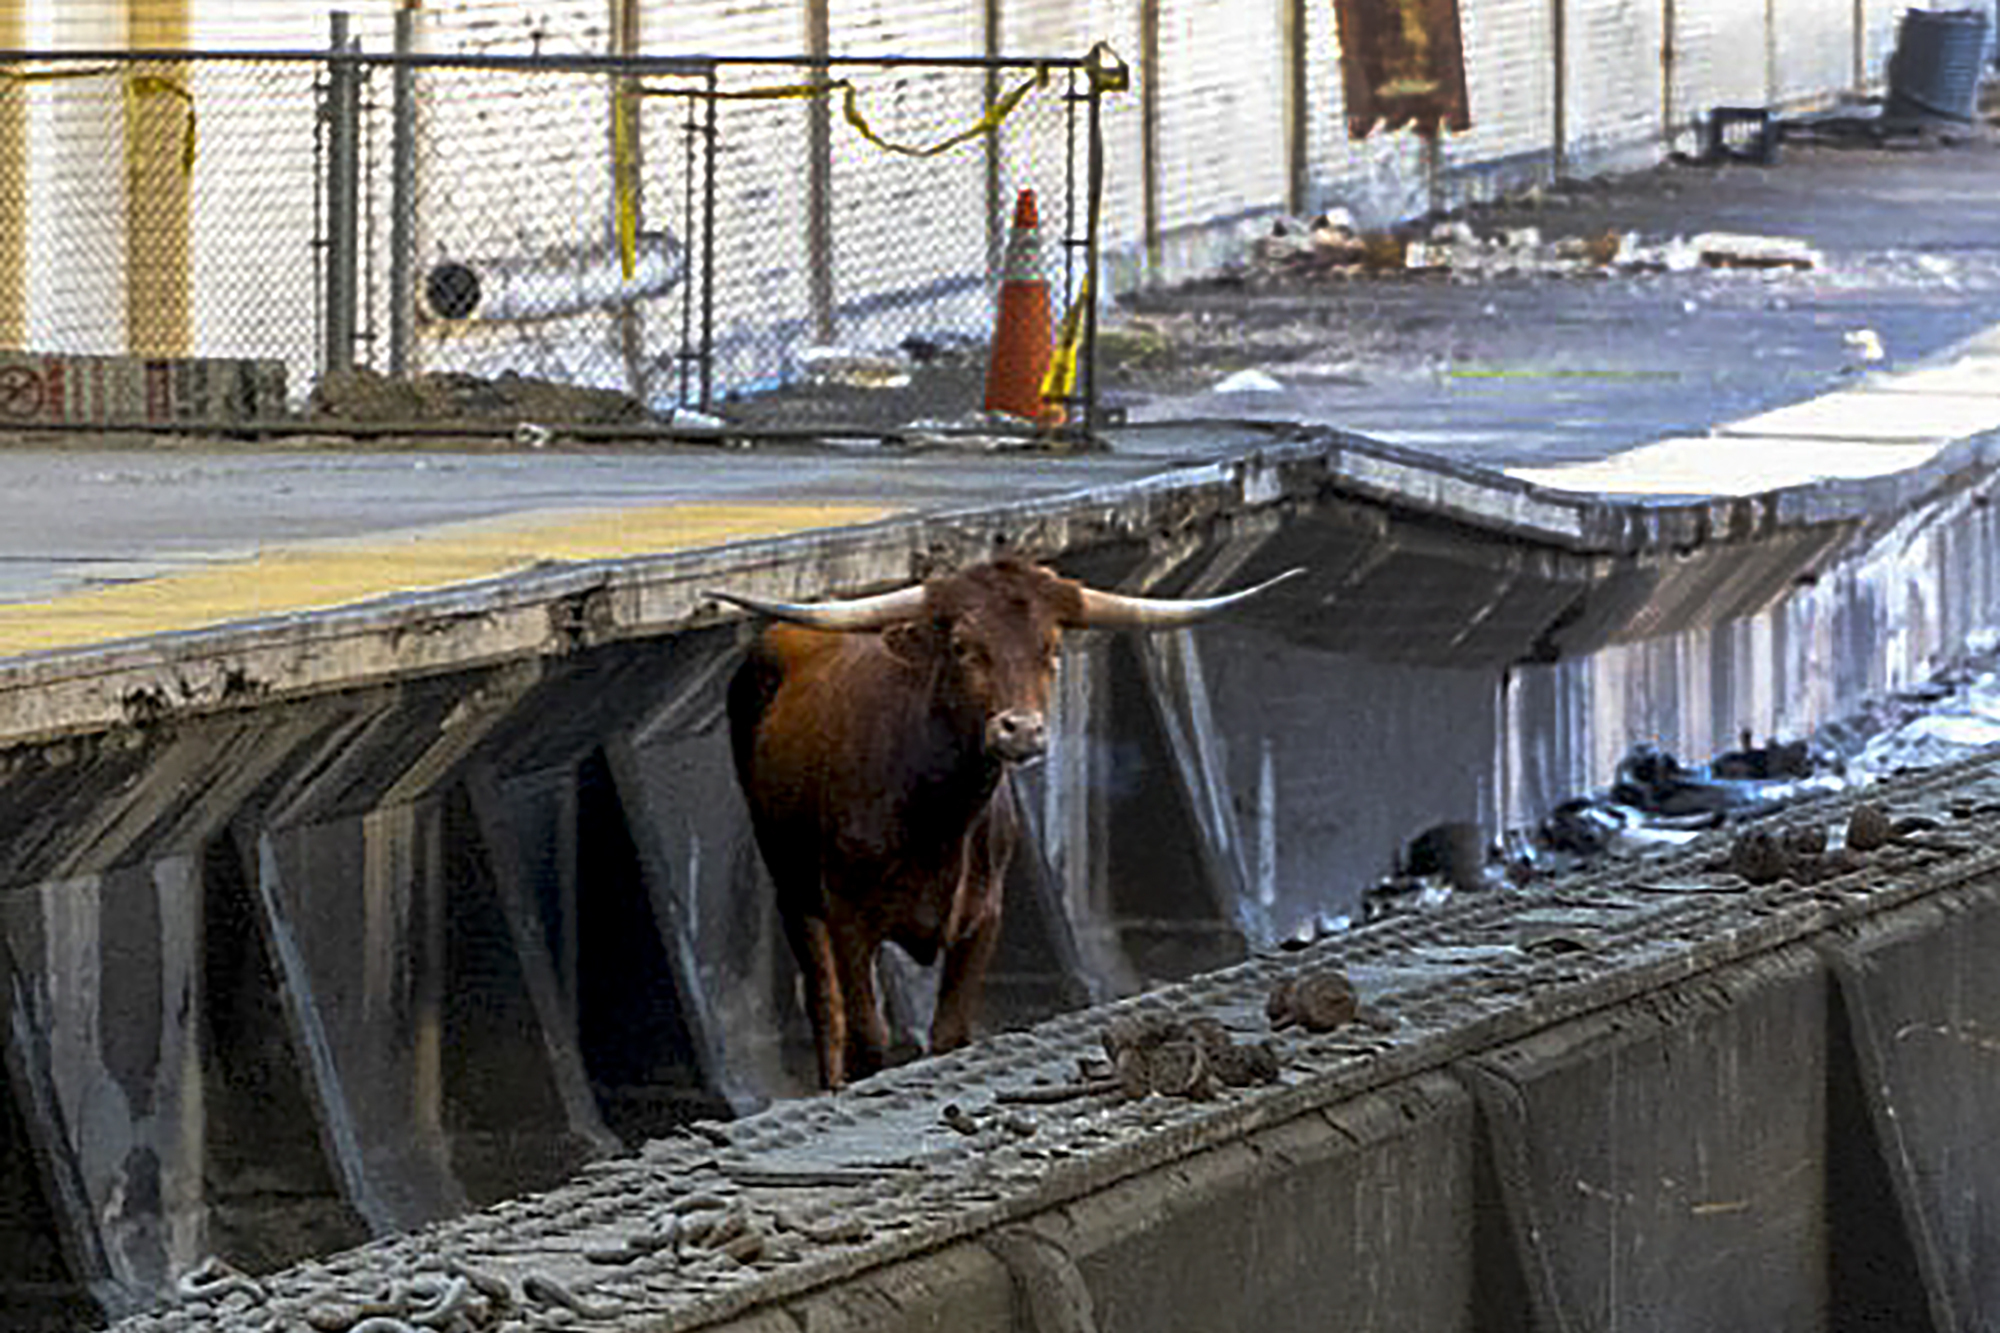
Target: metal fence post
{"points": [[1094, 206], [819, 175], [1297, 41], [403, 198], [343, 200]]}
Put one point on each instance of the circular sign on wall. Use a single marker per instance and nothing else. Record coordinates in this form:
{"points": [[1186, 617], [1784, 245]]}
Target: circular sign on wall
{"points": [[452, 290]]}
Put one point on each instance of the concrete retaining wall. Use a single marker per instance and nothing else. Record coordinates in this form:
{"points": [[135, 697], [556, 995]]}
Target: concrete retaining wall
{"points": [[1792, 1142], [460, 884]]}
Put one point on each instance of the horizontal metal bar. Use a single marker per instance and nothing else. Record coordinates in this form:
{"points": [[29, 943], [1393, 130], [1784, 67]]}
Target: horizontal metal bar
{"points": [[690, 65]]}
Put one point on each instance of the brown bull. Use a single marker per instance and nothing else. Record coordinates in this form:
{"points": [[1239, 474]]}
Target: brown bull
{"points": [[870, 739]]}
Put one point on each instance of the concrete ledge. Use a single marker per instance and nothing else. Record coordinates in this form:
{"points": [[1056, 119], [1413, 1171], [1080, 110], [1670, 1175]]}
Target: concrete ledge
{"points": [[51, 389], [551, 611]]}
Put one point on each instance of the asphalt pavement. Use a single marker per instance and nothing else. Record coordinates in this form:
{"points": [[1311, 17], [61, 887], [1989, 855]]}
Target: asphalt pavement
{"points": [[1614, 381]]}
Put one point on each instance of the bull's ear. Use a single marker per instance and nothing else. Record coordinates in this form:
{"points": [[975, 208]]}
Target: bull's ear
{"points": [[908, 641]]}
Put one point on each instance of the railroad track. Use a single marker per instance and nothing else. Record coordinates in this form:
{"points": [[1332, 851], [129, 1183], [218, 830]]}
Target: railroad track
{"points": [[723, 1218]]}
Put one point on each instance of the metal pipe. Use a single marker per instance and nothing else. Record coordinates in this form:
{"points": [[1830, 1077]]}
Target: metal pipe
{"points": [[1860, 46], [1668, 58], [689, 66], [403, 202], [1149, 130], [996, 231], [343, 174], [819, 179], [13, 188], [1559, 98], [1772, 78], [628, 176], [708, 249], [1095, 177], [1295, 35]]}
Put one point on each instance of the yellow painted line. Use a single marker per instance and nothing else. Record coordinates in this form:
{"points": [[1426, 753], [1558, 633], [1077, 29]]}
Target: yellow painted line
{"points": [[1702, 465], [323, 575]]}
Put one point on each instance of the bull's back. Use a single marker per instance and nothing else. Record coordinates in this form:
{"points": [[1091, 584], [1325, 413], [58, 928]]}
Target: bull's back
{"points": [[790, 709]]}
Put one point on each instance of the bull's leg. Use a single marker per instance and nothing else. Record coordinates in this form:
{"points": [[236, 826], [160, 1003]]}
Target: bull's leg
{"points": [[813, 944], [965, 963], [854, 952], [974, 927]]}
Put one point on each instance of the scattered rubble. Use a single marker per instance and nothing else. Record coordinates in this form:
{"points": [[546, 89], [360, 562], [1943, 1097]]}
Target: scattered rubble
{"points": [[1330, 248], [1656, 802], [1868, 828], [1155, 1053], [1319, 1001]]}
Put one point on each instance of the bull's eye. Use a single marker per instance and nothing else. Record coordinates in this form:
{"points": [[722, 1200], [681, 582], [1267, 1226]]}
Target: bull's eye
{"points": [[965, 650]]}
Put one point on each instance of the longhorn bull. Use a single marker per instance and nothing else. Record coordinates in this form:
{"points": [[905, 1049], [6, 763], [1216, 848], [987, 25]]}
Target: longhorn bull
{"points": [[870, 738]]}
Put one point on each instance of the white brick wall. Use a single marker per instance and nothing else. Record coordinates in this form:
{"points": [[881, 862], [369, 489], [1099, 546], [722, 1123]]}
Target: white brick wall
{"points": [[1813, 50], [1221, 127], [1613, 79]]}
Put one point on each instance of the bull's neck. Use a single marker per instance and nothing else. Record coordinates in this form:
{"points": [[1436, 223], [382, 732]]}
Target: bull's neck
{"points": [[960, 773]]}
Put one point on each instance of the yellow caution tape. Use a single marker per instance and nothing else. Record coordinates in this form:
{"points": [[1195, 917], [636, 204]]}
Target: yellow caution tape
{"points": [[1059, 382], [1106, 72], [986, 124], [625, 180], [137, 85], [159, 85]]}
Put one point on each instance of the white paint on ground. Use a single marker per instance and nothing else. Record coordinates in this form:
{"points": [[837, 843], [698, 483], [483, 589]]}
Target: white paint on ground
{"points": [[1888, 424]]}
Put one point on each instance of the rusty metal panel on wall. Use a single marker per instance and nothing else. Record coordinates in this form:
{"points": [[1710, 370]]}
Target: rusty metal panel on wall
{"points": [[1221, 129], [1613, 77], [1812, 44], [1402, 63], [1379, 179]]}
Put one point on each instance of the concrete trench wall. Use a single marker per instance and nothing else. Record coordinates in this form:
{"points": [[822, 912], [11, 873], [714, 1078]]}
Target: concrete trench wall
{"points": [[283, 976], [1790, 1142]]}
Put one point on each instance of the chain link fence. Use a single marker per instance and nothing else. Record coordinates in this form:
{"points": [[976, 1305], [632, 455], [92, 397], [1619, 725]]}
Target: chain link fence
{"points": [[778, 244]]}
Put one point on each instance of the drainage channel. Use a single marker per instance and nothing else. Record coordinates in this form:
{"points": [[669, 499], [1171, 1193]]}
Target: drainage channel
{"points": [[825, 1195], [462, 882]]}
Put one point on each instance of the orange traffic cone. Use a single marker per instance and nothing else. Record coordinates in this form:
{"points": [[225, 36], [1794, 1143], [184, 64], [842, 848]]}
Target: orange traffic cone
{"points": [[1021, 332]]}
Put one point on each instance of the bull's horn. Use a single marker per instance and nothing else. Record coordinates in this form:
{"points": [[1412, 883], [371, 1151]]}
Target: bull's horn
{"points": [[859, 613], [1110, 610]]}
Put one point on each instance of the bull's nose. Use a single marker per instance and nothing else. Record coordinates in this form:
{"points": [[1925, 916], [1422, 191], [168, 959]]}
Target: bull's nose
{"points": [[1017, 734]]}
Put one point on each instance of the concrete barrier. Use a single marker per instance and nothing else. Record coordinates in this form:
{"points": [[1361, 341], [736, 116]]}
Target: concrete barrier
{"points": [[62, 389]]}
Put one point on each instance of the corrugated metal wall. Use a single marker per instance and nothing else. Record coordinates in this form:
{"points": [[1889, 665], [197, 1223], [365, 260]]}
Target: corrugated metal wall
{"points": [[1613, 81], [1635, 77], [1554, 85]]}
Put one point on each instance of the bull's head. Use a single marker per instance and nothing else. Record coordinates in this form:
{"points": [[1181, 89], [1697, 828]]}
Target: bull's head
{"points": [[992, 633]]}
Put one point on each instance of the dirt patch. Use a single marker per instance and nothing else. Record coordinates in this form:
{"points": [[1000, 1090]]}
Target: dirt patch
{"points": [[367, 397]]}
